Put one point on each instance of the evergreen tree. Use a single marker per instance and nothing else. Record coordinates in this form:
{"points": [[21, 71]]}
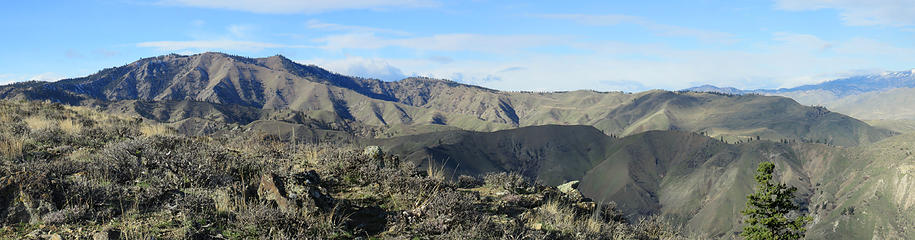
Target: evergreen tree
{"points": [[768, 207]]}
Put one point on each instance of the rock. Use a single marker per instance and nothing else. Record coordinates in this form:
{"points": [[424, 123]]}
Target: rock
{"points": [[108, 234], [570, 189], [272, 190], [299, 191], [373, 152], [309, 177], [53, 237], [320, 197]]}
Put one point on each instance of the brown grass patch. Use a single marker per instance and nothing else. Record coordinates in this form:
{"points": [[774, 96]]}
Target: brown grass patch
{"points": [[155, 129]]}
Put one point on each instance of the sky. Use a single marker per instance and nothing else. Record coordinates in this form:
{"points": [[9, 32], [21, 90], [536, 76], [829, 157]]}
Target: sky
{"points": [[510, 45]]}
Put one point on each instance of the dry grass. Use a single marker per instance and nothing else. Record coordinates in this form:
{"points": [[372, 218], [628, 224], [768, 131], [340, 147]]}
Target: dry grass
{"points": [[69, 126], [11, 147], [555, 216], [150, 130], [80, 155], [38, 123]]}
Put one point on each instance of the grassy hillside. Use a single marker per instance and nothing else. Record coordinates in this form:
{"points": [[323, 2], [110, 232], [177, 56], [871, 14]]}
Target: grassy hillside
{"points": [[870, 194], [694, 180], [553, 154], [76, 173], [902, 126]]}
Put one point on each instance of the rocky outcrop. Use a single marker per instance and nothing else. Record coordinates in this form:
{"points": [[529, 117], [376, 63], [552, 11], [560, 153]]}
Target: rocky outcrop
{"points": [[299, 191]]}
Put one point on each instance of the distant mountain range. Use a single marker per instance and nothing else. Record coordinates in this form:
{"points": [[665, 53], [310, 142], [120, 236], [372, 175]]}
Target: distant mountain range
{"points": [[202, 90], [887, 95]]}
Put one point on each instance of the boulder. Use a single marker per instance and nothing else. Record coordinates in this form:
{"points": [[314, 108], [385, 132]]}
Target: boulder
{"points": [[373, 152], [107, 234], [570, 189], [300, 190], [272, 190]]}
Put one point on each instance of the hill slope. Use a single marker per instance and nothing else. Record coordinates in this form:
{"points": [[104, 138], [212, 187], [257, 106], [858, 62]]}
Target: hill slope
{"points": [[553, 154], [692, 179]]}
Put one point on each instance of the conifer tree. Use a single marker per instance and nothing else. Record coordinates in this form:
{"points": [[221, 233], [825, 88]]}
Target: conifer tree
{"points": [[768, 207]]}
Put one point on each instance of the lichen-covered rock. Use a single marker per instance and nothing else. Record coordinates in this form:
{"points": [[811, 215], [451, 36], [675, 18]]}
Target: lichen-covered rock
{"points": [[570, 189], [272, 190], [107, 234], [373, 152], [300, 191]]}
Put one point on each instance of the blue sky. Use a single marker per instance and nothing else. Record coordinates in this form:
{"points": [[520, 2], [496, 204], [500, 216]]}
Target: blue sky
{"points": [[507, 45]]}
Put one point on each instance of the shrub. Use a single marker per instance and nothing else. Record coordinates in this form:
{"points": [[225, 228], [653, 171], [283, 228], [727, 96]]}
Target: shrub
{"points": [[512, 182]]}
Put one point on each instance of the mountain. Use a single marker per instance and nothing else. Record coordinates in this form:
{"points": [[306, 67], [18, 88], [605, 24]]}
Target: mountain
{"points": [[265, 88], [861, 192], [886, 95]]}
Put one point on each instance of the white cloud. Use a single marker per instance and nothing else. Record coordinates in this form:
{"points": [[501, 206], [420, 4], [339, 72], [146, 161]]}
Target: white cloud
{"points": [[214, 45], [198, 23], [9, 78], [301, 6], [360, 67], [315, 24], [802, 41], [860, 12], [440, 59], [440, 42], [657, 28], [787, 60], [868, 46], [240, 30], [47, 77]]}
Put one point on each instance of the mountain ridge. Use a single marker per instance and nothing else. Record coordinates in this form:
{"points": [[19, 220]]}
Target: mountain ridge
{"points": [[374, 108], [883, 96]]}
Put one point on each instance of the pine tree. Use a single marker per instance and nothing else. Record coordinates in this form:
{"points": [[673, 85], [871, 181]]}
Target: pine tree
{"points": [[768, 207]]}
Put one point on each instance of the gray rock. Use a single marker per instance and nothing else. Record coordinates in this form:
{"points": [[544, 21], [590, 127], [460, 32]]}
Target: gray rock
{"points": [[108, 234], [373, 152], [271, 189], [570, 189]]}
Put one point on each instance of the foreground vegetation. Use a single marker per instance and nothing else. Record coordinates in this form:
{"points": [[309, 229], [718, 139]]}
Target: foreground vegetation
{"points": [[73, 172]]}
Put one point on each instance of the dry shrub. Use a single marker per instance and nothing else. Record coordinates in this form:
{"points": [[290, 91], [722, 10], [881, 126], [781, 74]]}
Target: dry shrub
{"points": [[512, 182]]}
